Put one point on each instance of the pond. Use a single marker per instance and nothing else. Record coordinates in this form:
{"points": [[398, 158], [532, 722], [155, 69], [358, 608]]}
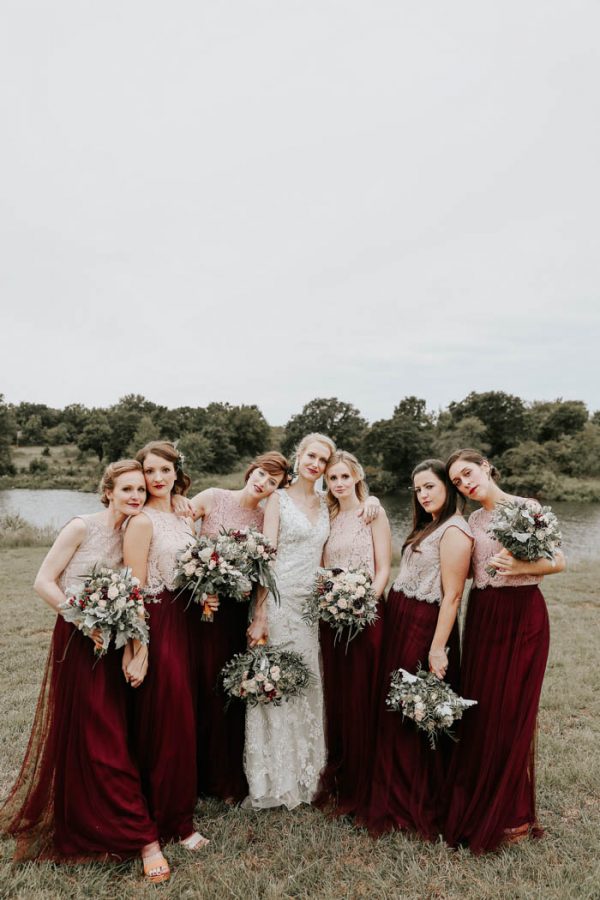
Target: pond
{"points": [[580, 522]]}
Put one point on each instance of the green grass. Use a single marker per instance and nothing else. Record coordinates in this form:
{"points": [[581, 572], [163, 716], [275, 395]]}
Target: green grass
{"points": [[276, 854]]}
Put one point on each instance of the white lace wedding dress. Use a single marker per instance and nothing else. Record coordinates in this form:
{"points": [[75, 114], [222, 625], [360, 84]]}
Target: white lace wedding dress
{"points": [[285, 745]]}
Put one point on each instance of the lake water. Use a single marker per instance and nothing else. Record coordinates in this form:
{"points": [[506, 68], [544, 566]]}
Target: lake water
{"points": [[580, 522]]}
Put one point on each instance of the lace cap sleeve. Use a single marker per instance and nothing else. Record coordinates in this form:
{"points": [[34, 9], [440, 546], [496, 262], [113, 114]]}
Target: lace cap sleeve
{"points": [[456, 522]]}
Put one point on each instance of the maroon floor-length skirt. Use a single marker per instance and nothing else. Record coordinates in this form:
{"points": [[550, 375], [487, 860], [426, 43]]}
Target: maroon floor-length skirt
{"points": [[78, 795], [407, 776], [491, 783], [164, 719], [221, 726], [350, 673]]}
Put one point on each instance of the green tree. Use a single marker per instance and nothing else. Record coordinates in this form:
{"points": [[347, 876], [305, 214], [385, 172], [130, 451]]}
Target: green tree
{"points": [[398, 444], [566, 417], [33, 431], [503, 415], [221, 446], [96, 434], [339, 420], [249, 429], [145, 432], [74, 418], [450, 435], [7, 431], [124, 418], [198, 451], [529, 469]]}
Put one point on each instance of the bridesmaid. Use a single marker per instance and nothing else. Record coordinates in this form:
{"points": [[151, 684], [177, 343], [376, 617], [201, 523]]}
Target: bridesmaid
{"points": [[350, 671], [420, 625], [164, 716], [506, 641], [220, 730], [78, 795]]}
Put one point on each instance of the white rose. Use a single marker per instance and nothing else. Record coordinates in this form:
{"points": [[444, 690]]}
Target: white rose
{"points": [[121, 603], [360, 592], [205, 554], [419, 714], [259, 676], [342, 603], [113, 592], [115, 576], [189, 568], [102, 603], [275, 673], [249, 686], [95, 597], [267, 686]]}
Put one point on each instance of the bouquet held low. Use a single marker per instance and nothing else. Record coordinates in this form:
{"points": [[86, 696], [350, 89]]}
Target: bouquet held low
{"points": [[265, 674]]}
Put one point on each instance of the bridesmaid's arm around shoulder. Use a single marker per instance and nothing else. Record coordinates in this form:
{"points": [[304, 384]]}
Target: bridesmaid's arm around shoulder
{"points": [[258, 630], [382, 551], [455, 559], [196, 508]]}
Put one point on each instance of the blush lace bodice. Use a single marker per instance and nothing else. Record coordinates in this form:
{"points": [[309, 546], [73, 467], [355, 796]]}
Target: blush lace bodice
{"points": [[285, 745], [226, 512], [420, 571], [487, 546], [170, 535], [101, 546], [350, 543]]}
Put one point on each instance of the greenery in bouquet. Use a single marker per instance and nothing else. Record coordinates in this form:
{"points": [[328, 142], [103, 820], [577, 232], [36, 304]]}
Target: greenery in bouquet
{"points": [[111, 604], [345, 599], [431, 704], [256, 556], [212, 566], [265, 674], [527, 530]]}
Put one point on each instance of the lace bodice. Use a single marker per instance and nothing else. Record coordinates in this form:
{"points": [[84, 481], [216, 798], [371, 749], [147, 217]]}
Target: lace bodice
{"points": [[285, 746], [350, 543], [170, 535], [101, 546], [487, 546], [227, 513], [420, 571]]}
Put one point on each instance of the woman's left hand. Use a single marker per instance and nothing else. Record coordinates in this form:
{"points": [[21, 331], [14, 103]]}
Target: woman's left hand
{"points": [[505, 563], [438, 663], [370, 510], [181, 506]]}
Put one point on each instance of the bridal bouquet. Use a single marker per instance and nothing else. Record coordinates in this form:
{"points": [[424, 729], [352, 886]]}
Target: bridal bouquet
{"points": [[256, 555], [527, 530], [110, 602], [345, 599], [430, 703], [265, 674], [212, 566]]}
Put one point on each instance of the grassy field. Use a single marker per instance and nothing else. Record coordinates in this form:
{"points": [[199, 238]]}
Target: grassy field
{"points": [[276, 854]]}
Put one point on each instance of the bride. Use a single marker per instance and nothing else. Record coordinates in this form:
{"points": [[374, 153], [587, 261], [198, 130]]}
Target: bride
{"points": [[285, 745]]}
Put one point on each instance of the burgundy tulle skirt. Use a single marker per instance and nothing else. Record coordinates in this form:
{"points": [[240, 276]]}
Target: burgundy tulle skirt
{"points": [[78, 795], [221, 727], [164, 719], [407, 775], [350, 673], [492, 776]]}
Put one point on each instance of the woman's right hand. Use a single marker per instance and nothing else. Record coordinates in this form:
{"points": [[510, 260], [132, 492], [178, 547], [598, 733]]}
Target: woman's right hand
{"points": [[438, 662], [181, 506], [212, 601], [96, 637], [138, 667], [258, 630]]}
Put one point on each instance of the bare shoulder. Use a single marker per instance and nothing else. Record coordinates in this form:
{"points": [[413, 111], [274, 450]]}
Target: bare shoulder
{"points": [[140, 524]]}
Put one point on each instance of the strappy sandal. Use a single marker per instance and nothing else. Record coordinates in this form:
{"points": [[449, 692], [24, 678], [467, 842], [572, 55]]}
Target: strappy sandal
{"points": [[195, 841], [156, 868]]}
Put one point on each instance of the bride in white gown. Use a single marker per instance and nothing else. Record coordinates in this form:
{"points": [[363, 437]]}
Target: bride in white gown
{"points": [[285, 745]]}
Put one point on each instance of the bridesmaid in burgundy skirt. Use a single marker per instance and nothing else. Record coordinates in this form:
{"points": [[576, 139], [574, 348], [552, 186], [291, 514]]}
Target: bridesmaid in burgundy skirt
{"points": [[221, 730], [506, 641], [164, 714], [420, 625], [78, 796], [350, 671]]}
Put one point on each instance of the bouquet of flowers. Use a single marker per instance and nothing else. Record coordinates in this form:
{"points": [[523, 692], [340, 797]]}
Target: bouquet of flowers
{"points": [[110, 602], [212, 566], [527, 530], [429, 702], [256, 556], [345, 599], [265, 674]]}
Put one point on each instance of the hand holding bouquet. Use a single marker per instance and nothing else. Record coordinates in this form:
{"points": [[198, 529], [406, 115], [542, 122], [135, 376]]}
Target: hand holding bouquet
{"points": [[256, 556], [344, 598], [430, 703], [110, 604], [526, 530], [265, 674], [212, 566]]}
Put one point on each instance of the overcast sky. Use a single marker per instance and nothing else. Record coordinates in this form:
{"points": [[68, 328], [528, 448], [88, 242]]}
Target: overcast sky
{"points": [[267, 202]]}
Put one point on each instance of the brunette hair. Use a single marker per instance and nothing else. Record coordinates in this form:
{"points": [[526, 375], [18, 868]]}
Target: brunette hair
{"points": [[423, 522], [309, 439], [362, 492], [112, 472], [167, 450], [473, 456], [272, 462]]}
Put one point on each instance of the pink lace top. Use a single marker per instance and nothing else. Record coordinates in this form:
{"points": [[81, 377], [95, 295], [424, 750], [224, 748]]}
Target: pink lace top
{"points": [[170, 535], [101, 546], [227, 513], [350, 544], [420, 573], [487, 546]]}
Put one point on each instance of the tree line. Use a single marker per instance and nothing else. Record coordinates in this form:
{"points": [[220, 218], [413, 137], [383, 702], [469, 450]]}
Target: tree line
{"points": [[542, 447]]}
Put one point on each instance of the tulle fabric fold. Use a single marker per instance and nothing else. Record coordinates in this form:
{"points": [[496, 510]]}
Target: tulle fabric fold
{"points": [[78, 794], [407, 776], [491, 782], [350, 682]]}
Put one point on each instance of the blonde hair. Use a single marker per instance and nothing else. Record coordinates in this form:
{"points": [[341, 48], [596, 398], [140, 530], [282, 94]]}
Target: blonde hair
{"points": [[314, 437], [114, 471], [356, 470]]}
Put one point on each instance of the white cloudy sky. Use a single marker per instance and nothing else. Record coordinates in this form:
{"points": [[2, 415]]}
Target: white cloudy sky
{"points": [[264, 201]]}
